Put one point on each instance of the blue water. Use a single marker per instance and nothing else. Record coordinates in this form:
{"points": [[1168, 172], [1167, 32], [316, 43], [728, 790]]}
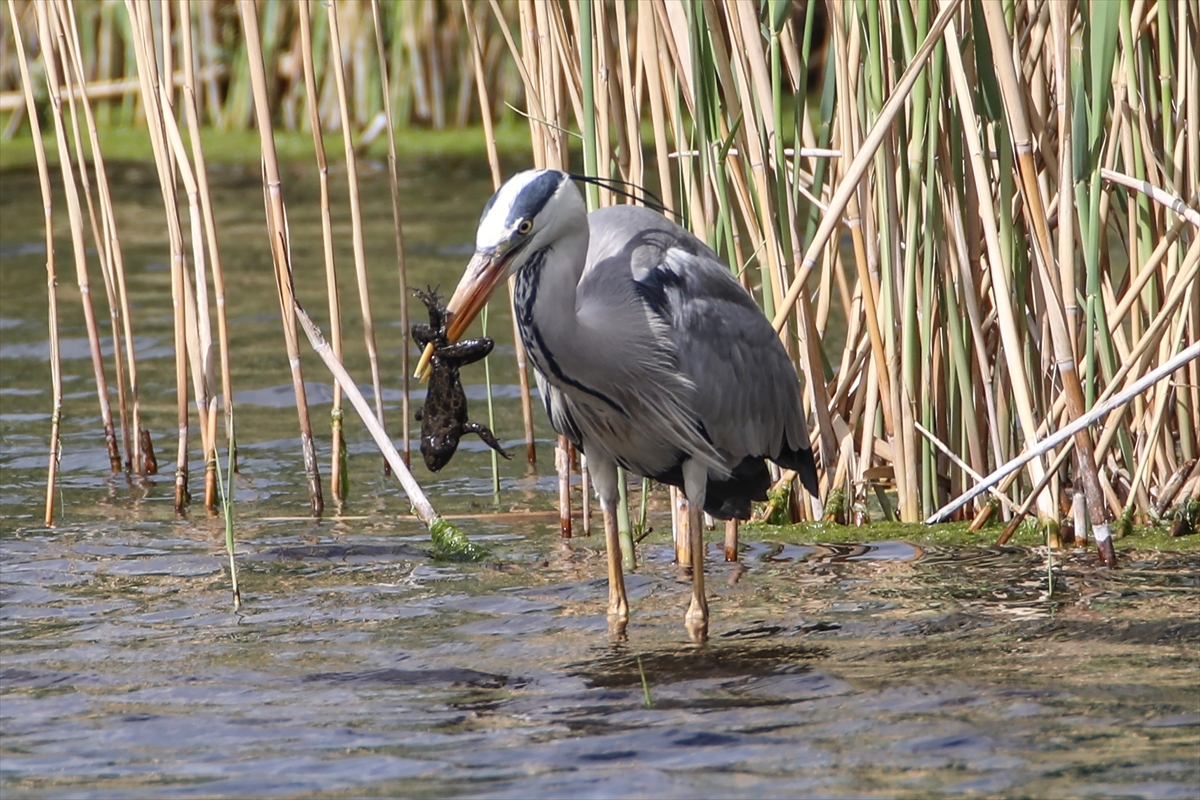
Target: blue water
{"points": [[358, 665]]}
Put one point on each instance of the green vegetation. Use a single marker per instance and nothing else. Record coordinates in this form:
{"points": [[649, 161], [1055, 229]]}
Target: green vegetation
{"points": [[451, 544], [950, 534], [292, 147]]}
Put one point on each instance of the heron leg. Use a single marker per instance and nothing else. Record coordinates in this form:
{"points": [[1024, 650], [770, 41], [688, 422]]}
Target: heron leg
{"points": [[604, 477], [618, 603], [695, 481]]}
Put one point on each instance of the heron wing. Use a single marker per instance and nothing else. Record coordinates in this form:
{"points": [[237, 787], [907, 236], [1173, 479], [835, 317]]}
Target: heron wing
{"points": [[746, 392]]}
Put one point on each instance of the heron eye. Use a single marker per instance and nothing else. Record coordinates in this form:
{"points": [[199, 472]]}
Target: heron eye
{"points": [[525, 227]]}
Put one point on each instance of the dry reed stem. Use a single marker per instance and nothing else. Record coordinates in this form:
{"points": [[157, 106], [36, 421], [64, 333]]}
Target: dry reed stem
{"points": [[1097, 412], [1043, 265], [74, 214], [106, 243], [197, 312], [139, 18], [213, 253], [497, 178], [401, 271], [63, 22], [277, 230], [51, 275], [420, 503], [118, 267], [337, 478], [1001, 294], [356, 232]]}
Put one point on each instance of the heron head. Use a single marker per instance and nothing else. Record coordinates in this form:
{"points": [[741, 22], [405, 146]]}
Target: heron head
{"points": [[530, 211]]}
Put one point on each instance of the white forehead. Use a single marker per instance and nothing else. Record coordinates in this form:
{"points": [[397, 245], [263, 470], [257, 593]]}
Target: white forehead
{"points": [[523, 195]]}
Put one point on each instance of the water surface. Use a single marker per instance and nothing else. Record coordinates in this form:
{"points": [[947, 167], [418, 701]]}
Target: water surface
{"points": [[360, 666]]}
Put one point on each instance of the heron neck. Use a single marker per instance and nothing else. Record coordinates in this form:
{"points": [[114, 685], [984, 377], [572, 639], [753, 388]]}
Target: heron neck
{"points": [[545, 301]]}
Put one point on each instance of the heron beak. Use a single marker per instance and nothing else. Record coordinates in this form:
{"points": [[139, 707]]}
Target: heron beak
{"points": [[483, 274]]}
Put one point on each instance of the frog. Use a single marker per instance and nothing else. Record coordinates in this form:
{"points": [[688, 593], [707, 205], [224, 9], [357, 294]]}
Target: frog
{"points": [[443, 418]]}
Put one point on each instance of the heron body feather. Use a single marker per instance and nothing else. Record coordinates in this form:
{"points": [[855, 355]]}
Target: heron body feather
{"points": [[646, 350]]}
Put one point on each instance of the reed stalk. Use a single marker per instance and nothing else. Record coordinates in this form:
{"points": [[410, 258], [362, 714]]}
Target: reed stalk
{"points": [[401, 271], [197, 316], [75, 216], [338, 476], [68, 47], [118, 267], [1099, 411], [356, 232], [1036, 217], [139, 19], [420, 503], [51, 273], [485, 107], [191, 110], [277, 231]]}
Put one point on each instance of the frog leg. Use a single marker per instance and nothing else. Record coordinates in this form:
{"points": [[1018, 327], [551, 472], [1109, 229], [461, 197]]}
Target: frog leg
{"points": [[424, 334], [468, 351], [488, 438]]}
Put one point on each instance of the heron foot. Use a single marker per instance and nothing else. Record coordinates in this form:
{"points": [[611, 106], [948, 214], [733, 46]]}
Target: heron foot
{"points": [[616, 627], [696, 621], [618, 607]]}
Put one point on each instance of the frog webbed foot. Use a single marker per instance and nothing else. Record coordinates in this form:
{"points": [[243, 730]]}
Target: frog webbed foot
{"points": [[488, 438]]}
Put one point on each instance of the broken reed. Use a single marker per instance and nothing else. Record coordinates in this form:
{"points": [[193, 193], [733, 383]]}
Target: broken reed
{"points": [[998, 284], [429, 82]]}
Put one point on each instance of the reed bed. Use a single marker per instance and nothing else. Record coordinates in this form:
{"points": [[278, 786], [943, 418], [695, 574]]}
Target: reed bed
{"points": [[996, 279], [431, 83], [973, 225]]}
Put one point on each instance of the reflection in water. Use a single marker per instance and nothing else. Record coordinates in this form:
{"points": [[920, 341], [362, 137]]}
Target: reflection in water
{"points": [[359, 666]]}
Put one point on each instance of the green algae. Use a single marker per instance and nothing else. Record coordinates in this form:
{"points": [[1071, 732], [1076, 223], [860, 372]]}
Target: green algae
{"points": [[949, 534], [451, 544]]}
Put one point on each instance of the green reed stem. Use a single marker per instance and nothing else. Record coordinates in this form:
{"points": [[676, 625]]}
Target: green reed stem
{"points": [[624, 526], [487, 377], [645, 685], [225, 484], [587, 73]]}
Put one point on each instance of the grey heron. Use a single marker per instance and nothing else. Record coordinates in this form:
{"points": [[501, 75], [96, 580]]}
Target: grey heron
{"points": [[647, 353]]}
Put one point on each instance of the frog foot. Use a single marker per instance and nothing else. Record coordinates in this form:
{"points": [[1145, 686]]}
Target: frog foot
{"points": [[488, 438]]}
